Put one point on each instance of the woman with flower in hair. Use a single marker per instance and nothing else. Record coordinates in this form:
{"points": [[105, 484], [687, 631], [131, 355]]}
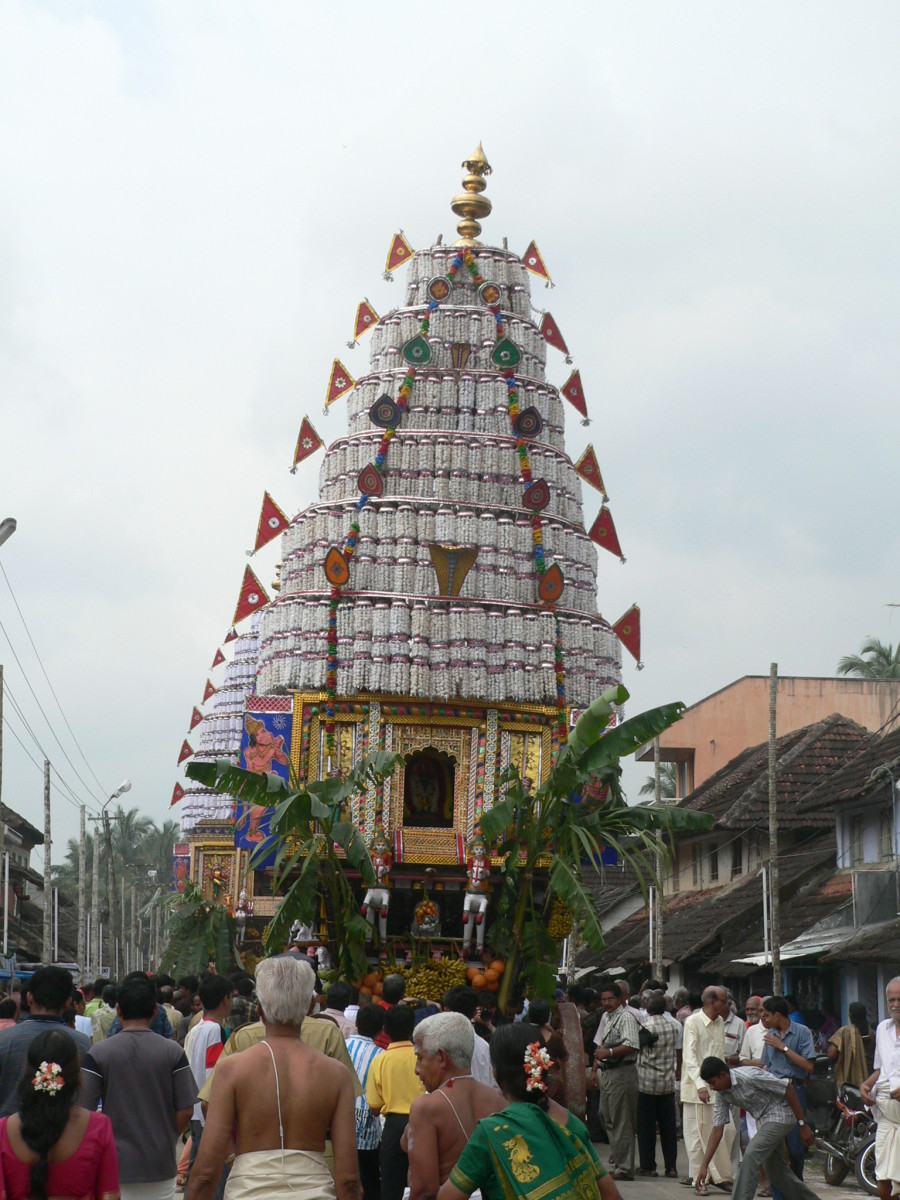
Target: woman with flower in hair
{"points": [[51, 1147], [533, 1147]]}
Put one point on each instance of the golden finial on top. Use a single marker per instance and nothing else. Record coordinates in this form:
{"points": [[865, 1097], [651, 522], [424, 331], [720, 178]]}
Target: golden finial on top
{"points": [[470, 204]]}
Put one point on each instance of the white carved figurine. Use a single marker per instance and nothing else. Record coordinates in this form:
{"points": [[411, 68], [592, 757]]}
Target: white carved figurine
{"points": [[244, 910], [378, 898], [478, 869]]}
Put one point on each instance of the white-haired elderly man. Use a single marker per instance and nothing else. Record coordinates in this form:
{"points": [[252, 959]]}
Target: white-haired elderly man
{"points": [[442, 1121], [882, 1089], [282, 1098]]}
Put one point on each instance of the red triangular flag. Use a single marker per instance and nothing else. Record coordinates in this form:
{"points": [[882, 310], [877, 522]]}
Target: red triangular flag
{"points": [[252, 596], [340, 382], [208, 692], [185, 752], [532, 261], [399, 253], [218, 660], [574, 393], [366, 319], [230, 635], [272, 521], [196, 717], [177, 795], [628, 630], [551, 334], [588, 468], [308, 441], [603, 532]]}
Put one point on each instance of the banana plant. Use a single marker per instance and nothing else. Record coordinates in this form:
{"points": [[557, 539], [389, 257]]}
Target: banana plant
{"points": [[549, 840], [315, 844], [198, 931]]}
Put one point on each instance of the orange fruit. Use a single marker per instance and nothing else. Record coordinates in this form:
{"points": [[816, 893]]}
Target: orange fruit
{"points": [[498, 965], [471, 972], [492, 985], [371, 979], [478, 981], [490, 977], [364, 991]]}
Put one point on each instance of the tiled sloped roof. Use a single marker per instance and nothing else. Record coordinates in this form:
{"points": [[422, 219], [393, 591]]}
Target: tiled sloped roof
{"points": [[808, 907], [611, 887], [697, 923], [853, 780], [738, 794]]}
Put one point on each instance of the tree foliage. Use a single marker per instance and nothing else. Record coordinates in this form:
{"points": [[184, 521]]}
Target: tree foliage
{"points": [[316, 844], [667, 782], [876, 660], [198, 931], [549, 840]]}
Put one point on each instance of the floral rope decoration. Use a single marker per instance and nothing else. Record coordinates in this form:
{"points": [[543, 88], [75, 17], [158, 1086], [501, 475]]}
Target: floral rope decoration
{"points": [[48, 1078], [537, 1061]]}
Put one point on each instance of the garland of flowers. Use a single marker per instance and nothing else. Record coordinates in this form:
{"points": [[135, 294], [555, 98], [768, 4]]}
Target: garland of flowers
{"points": [[48, 1078], [537, 1061]]}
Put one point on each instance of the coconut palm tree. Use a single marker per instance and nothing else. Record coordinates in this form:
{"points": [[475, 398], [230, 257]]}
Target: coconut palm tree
{"points": [[667, 783], [876, 660]]}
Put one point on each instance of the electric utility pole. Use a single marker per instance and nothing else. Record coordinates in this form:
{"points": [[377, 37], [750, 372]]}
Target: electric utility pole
{"points": [[82, 949], [47, 946], [773, 838]]}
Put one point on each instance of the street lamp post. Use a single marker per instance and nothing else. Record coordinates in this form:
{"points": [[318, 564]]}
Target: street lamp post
{"points": [[7, 529]]}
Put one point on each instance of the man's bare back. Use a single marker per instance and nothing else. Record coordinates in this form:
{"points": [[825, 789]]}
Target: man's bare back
{"points": [[317, 1098], [437, 1133]]}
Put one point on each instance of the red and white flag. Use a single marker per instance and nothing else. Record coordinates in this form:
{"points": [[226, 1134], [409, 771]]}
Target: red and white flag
{"points": [[628, 630], [218, 660], [339, 384], [196, 717], [552, 336], [185, 752], [603, 532], [589, 469], [399, 253], [177, 794], [208, 692], [272, 521], [366, 319], [532, 261], [252, 596], [230, 635], [308, 441]]}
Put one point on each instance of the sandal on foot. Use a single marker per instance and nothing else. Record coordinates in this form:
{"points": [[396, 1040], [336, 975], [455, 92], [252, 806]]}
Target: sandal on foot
{"points": [[702, 1189], [671, 1173]]}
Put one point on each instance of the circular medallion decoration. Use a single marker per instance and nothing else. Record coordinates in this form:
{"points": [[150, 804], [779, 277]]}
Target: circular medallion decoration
{"points": [[337, 569], [416, 351], [551, 586], [537, 495], [273, 522], [528, 423], [370, 481], [438, 288], [505, 353], [384, 413], [489, 293]]}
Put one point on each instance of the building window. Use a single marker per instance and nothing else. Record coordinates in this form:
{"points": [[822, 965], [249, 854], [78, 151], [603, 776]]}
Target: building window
{"points": [[714, 863], [857, 840], [737, 857], [683, 783], [696, 861], [886, 835]]}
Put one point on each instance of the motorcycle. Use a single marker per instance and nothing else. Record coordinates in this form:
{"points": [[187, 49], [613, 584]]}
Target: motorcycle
{"points": [[849, 1141]]}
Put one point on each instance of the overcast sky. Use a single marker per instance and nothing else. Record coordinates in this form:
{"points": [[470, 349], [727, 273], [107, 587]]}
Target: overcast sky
{"points": [[194, 196]]}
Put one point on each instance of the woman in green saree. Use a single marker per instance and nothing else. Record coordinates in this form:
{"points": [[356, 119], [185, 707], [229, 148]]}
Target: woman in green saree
{"points": [[534, 1149]]}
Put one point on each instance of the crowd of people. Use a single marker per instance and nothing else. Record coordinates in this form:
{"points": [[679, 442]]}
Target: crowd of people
{"points": [[242, 1087]]}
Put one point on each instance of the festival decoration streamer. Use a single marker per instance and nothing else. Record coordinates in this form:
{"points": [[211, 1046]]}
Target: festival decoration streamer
{"points": [[218, 660], [366, 319], [552, 336], [399, 253], [533, 262], [603, 532], [308, 442], [185, 752], [196, 717], [628, 630], [589, 469], [574, 393], [340, 382], [251, 597], [208, 692], [272, 521], [177, 794]]}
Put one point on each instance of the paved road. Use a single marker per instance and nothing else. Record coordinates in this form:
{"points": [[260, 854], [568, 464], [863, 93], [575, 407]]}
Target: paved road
{"points": [[670, 1189]]}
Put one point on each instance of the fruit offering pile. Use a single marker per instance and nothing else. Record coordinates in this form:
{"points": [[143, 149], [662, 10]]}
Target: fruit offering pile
{"points": [[487, 977], [559, 925]]}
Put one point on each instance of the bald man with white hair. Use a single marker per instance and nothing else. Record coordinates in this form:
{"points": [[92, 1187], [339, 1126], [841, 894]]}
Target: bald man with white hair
{"points": [[442, 1121]]}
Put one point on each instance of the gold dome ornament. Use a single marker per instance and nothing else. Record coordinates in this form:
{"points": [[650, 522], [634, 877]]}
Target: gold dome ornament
{"points": [[470, 204]]}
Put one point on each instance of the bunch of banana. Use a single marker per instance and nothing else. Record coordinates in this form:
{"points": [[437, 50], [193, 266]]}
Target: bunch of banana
{"points": [[559, 925], [431, 979]]}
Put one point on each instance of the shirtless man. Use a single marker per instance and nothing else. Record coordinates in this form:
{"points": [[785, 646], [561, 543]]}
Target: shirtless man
{"points": [[441, 1122], [282, 1098]]}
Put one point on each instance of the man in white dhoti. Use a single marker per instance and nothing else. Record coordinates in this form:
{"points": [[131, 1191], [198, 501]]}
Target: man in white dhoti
{"points": [[281, 1098], [882, 1089]]}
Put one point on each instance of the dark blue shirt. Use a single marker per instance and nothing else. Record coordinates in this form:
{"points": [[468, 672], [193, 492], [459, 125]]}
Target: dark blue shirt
{"points": [[159, 1024], [797, 1038]]}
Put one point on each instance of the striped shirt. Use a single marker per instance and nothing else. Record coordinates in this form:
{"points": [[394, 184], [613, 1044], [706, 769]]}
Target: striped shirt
{"points": [[362, 1051], [656, 1064], [759, 1093]]}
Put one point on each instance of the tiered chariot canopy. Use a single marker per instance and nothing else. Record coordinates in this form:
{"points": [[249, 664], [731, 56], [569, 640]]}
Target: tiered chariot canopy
{"points": [[450, 502]]}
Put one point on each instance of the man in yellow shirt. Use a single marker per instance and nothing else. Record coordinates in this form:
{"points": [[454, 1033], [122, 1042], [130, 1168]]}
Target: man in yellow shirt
{"points": [[391, 1087]]}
